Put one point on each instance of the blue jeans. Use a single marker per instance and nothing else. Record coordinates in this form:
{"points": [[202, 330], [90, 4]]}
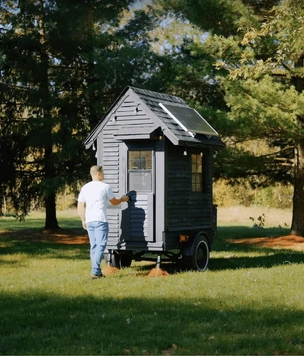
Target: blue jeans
{"points": [[98, 235]]}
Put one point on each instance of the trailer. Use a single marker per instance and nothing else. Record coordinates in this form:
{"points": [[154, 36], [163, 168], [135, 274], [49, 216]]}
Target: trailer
{"points": [[159, 150]]}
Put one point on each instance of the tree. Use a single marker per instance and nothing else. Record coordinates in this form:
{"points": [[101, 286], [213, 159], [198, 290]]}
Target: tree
{"points": [[258, 49], [62, 63]]}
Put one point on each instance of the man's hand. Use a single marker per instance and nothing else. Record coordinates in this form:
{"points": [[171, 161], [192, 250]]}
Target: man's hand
{"points": [[124, 198], [84, 225]]}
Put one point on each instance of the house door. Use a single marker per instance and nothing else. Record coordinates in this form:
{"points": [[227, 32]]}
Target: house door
{"points": [[140, 183]]}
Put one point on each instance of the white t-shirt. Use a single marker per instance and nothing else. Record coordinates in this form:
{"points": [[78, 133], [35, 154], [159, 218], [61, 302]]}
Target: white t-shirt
{"points": [[96, 195]]}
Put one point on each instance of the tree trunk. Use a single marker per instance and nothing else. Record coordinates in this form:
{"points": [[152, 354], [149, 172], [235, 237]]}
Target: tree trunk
{"points": [[50, 193], [49, 167], [297, 226], [50, 213]]}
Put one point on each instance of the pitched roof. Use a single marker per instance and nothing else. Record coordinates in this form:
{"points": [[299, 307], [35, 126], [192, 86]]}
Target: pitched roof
{"points": [[171, 128]]}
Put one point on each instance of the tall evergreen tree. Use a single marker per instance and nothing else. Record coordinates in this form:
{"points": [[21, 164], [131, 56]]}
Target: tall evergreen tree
{"points": [[258, 49], [62, 63]]}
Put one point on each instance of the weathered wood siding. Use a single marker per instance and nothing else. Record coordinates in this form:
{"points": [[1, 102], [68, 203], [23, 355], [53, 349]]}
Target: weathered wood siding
{"points": [[186, 209], [127, 115], [114, 217], [130, 115], [141, 218]]}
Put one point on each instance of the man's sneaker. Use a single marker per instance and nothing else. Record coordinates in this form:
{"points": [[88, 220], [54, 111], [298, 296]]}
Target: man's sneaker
{"points": [[97, 276]]}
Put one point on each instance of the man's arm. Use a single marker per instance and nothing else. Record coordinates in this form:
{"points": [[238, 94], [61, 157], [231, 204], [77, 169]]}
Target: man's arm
{"points": [[116, 201], [81, 212]]}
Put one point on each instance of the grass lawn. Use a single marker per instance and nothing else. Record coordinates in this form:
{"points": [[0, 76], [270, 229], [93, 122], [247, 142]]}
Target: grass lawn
{"points": [[249, 301]]}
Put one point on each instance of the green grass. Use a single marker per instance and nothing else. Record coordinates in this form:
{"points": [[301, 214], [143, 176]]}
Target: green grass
{"points": [[249, 301]]}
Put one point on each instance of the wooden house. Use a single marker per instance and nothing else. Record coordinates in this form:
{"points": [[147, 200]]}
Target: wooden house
{"points": [[160, 151]]}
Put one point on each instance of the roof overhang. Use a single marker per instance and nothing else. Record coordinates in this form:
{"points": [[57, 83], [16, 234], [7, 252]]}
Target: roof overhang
{"points": [[127, 133], [203, 141]]}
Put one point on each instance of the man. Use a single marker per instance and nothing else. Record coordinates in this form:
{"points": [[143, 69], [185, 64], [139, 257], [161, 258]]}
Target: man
{"points": [[92, 210]]}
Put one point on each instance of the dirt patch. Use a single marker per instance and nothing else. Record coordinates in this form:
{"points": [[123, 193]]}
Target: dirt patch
{"points": [[69, 237], [290, 242], [157, 272], [61, 236], [107, 270]]}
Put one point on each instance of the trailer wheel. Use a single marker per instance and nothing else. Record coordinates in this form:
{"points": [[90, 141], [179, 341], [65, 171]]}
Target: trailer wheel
{"points": [[119, 259], [200, 255], [123, 259]]}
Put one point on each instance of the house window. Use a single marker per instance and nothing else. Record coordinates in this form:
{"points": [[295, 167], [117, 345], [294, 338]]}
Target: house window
{"points": [[140, 170], [197, 172]]}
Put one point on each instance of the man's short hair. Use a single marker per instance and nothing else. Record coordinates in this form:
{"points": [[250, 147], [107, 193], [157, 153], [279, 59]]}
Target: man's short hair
{"points": [[95, 169]]}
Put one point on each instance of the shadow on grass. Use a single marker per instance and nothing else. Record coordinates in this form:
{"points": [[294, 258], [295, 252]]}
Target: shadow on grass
{"points": [[268, 260], [14, 224], [38, 323], [241, 232], [42, 249], [266, 257]]}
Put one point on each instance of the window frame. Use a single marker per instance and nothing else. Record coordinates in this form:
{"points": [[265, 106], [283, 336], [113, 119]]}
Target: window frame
{"points": [[140, 171], [197, 173]]}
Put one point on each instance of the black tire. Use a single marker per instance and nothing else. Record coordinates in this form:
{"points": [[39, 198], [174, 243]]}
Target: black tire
{"points": [[123, 259], [200, 255]]}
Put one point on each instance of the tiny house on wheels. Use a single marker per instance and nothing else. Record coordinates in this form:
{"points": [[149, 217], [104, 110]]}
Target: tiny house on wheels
{"points": [[159, 150]]}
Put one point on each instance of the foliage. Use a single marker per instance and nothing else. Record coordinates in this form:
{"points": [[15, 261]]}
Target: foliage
{"points": [[62, 65], [259, 222], [258, 50], [278, 196]]}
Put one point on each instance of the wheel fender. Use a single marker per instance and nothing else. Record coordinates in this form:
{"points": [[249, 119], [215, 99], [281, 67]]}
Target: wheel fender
{"points": [[188, 247]]}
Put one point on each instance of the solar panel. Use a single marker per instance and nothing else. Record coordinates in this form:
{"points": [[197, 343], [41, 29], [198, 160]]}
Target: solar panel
{"points": [[189, 119]]}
